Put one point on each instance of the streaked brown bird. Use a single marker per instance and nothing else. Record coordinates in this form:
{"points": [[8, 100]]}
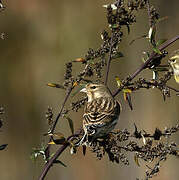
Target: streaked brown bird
{"points": [[174, 62], [101, 112]]}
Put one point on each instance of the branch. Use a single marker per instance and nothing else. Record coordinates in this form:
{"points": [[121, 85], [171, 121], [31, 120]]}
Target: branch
{"points": [[61, 110], [57, 118], [143, 66], [149, 13], [109, 60], [49, 164]]}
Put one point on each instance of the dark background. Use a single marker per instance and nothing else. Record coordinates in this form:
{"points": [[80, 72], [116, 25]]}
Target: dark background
{"points": [[40, 36]]}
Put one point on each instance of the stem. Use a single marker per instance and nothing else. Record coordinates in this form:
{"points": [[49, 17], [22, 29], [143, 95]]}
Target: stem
{"points": [[142, 67], [61, 110], [57, 118], [176, 90], [49, 164], [109, 61], [149, 13]]}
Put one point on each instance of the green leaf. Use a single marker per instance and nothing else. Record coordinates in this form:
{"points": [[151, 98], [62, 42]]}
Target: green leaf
{"points": [[114, 26], [3, 146], [155, 49], [60, 162], [161, 41], [70, 122]]}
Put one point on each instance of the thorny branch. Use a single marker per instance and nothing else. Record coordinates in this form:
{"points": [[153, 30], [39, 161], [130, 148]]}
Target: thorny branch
{"points": [[111, 145]]}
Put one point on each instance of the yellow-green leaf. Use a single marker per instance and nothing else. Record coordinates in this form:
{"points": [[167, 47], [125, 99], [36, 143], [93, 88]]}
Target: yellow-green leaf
{"points": [[136, 160], [161, 41], [51, 143], [119, 83], [155, 49], [127, 90], [55, 85]]}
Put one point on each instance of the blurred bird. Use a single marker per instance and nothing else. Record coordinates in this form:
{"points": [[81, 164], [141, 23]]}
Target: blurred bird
{"points": [[174, 62], [101, 113]]}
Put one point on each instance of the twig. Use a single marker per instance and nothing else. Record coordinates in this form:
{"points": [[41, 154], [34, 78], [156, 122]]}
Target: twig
{"points": [[61, 110], [142, 67], [149, 13], [109, 60], [49, 164], [57, 118], [176, 90]]}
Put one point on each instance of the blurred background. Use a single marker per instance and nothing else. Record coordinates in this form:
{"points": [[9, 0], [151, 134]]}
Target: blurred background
{"points": [[40, 37]]}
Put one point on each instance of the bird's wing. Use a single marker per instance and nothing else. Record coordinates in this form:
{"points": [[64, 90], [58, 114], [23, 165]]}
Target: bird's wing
{"points": [[101, 111]]}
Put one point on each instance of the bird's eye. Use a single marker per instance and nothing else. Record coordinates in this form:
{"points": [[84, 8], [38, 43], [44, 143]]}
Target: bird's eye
{"points": [[93, 87], [173, 60]]}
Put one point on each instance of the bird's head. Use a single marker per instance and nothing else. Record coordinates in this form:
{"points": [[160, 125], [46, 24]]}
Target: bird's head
{"points": [[174, 59], [95, 91]]}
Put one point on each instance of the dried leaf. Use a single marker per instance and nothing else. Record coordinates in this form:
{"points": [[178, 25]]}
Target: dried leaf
{"points": [[75, 84], [128, 99], [3, 146], [155, 75], [57, 134], [60, 138], [151, 35], [143, 139], [55, 85], [70, 122], [59, 141], [73, 150], [136, 160], [113, 6], [117, 55], [60, 162], [84, 150], [79, 60]]}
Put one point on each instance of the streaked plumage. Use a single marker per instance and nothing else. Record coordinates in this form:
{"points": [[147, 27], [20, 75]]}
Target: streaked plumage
{"points": [[101, 112], [174, 62]]}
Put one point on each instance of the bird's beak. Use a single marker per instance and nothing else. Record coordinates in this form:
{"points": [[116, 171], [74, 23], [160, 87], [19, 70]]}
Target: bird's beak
{"points": [[83, 90]]}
